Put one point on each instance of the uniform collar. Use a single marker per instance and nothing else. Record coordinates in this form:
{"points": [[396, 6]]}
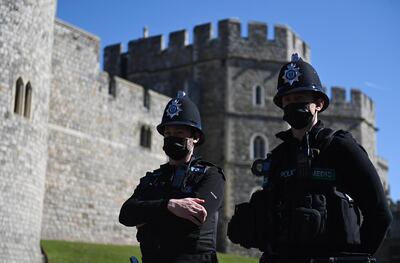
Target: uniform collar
{"points": [[193, 160], [287, 135]]}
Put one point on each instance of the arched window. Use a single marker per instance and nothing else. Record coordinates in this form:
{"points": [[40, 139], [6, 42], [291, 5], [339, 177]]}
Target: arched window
{"points": [[145, 137], [259, 147], [19, 97], [28, 100], [258, 96]]}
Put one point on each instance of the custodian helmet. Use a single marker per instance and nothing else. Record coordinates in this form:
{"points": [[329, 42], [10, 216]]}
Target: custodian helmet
{"points": [[181, 111], [299, 76]]}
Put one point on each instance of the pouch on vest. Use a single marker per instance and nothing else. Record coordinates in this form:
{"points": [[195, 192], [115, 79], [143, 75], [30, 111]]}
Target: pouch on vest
{"points": [[310, 221], [344, 220], [250, 225], [241, 228]]}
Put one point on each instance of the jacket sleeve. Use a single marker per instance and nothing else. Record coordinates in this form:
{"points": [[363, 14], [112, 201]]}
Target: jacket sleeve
{"points": [[363, 184], [211, 189], [138, 210]]}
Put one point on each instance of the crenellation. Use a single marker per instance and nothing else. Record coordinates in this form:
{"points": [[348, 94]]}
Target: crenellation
{"points": [[112, 59], [144, 54], [146, 45], [306, 51], [202, 34], [257, 31], [88, 131], [356, 97], [371, 104], [178, 39], [286, 39], [359, 107], [362, 100], [338, 95], [229, 30], [298, 44], [281, 35], [358, 102]]}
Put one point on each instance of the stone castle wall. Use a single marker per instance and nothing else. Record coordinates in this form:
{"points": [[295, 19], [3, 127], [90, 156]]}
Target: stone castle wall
{"points": [[95, 158], [147, 55], [220, 74], [356, 113], [84, 133], [26, 37]]}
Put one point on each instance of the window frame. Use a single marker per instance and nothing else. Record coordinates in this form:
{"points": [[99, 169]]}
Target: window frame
{"points": [[260, 95], [252, 145]]}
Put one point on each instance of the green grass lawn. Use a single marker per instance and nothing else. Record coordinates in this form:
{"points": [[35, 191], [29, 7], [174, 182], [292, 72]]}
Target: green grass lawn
{"points": [[75, 252]]}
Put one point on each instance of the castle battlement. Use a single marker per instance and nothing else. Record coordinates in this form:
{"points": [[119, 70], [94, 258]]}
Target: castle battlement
{"points": [[358, 104], [150, 53], [357, 98]]}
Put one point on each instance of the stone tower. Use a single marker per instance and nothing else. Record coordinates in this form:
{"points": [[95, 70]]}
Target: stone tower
{"points": [[222, 75], [233, 80], [26, 38], [356, 113]]}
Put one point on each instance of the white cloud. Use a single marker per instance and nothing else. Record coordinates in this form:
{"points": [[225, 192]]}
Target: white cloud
{"points": [[372, 85]]}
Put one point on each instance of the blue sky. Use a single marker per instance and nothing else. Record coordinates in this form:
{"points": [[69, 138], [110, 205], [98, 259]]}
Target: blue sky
{"points": [[353, 43]]}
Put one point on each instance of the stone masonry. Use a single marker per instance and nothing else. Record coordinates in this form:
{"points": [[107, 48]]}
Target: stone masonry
{"points": [[70, 134], [221, 74], [94, 157], [26, 39], [66, 168]]}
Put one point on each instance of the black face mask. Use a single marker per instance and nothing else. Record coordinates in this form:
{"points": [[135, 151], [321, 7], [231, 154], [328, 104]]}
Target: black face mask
{"points": [[175, 147], [298, 115]]}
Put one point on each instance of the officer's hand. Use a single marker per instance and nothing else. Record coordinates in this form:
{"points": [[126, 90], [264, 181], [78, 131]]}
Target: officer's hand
{"points": [[188, 208]]}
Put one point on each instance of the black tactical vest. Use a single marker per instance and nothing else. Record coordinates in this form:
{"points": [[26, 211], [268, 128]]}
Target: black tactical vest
{"points": [[181, 236], [308, 210]]}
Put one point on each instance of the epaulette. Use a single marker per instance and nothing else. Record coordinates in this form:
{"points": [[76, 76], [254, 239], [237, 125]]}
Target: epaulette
{"points": [[158, 176], [149, 178], [326, 135], [153, 176], [155, 173], [208, 165], [205, 163]]}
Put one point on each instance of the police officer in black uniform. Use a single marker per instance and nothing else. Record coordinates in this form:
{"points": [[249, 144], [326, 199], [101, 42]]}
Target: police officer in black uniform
{"points": [[175, 208], [322, 199]]}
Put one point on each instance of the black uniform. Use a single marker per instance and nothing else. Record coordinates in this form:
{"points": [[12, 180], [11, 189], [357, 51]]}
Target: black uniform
{"points": [[165, 237], [315, 211], [333, 206], [322, 196]]}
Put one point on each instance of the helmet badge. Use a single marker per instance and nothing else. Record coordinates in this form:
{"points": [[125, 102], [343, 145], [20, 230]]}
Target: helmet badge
{"points": [[291, 74], [174, 109]]}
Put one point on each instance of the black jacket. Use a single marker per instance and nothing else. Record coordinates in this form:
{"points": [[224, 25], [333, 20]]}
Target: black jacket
{"points": [[340, 163], [165, 237]]}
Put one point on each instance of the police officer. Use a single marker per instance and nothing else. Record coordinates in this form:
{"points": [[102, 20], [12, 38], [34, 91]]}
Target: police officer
{"points": [[322, 198], [175, 208]]}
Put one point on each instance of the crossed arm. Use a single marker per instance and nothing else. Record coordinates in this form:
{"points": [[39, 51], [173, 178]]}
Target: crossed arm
{"points": [[137, 210]]}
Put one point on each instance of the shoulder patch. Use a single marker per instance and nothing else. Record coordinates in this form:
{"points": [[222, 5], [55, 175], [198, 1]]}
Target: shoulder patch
{"points": [[262, 167], [198, 169], [324, 174], [206, 166]]}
